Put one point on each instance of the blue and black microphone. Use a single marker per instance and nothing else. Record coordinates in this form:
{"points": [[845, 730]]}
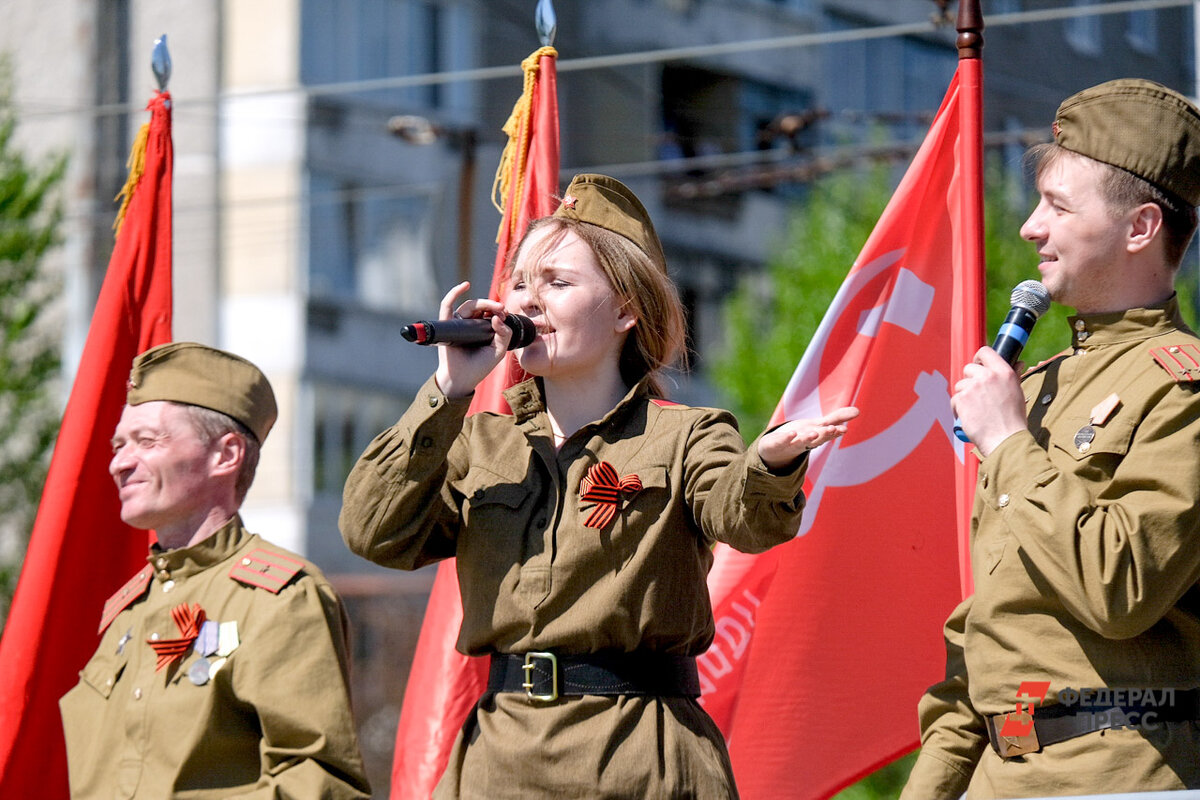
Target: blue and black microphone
{"points": [[1030, 299]]}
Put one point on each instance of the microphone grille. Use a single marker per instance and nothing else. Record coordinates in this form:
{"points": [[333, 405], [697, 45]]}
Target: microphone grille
{"points": [[524, 331], [1032, 296]]}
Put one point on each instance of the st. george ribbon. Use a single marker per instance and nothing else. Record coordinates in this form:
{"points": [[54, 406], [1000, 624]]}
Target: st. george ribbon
{"points": [[1029, 300], [471, 332]]}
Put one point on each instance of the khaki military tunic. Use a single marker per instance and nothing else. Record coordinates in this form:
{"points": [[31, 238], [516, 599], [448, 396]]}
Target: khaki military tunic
{"points": [[1086, 556], [492, 490], [272, 720]]}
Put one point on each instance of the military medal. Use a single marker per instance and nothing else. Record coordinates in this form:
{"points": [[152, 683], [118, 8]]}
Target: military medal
{"points": [[206, 642], [199, 672], [1084, 437], [124, 640], [227, 638], [1100, 414]]}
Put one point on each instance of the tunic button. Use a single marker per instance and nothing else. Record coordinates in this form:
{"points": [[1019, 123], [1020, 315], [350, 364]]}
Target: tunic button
{"points": [[1083, 335], [1080, 325], [1173, 349], [162, 562], [137, 694], [1046, 398], [1002, 500], [246, 562], [1078, 351], [433, 401], [427, 442], [478, 495], [540, 522], [154, 637], [168, 586], [163, 574]]}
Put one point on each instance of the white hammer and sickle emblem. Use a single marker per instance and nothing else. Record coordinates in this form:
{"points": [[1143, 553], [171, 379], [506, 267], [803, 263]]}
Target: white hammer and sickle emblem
{"points": [[836, 464]]}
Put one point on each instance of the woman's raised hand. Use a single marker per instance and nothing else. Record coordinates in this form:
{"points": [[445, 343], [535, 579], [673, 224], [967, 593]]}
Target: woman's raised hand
{"points": [[782, 446], [460, 369]]}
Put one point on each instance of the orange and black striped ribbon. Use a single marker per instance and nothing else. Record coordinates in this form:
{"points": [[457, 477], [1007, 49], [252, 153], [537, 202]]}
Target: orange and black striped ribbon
{"points": [[603, 486], [188, 619]]}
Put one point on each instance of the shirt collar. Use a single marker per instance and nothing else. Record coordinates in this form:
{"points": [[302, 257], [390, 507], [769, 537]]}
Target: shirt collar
{"points": [[527, 400], [1089, 331], [184, 561]]}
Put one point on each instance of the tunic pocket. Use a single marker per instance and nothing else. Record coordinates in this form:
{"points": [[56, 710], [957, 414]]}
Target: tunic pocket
{"points": [[1096, 450], [102, 674]]}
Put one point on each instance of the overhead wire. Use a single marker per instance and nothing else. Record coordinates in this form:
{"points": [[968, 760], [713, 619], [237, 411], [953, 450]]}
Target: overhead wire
{"points": [[693, 52]]}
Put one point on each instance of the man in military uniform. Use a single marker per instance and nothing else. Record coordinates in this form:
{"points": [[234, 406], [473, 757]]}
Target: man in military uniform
{"points": [[1074, 667], [223, 664]]}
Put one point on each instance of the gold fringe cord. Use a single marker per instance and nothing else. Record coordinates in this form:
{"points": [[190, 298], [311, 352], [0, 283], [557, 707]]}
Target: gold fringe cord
{"points": [[136, 165], [510, 174]]}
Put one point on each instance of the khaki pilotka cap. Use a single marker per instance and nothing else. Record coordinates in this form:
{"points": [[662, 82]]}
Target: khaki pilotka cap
{"points": [[609, 204], [198, 375], [1139, 126]]}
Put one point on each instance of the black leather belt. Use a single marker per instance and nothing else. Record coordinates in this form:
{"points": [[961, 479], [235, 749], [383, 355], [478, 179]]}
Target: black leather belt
{"points": [[546, 677], [1057, 723]]}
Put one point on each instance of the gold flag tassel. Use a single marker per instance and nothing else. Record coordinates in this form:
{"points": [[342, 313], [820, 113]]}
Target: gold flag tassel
{"points": [[136, 165], [517, 128]]}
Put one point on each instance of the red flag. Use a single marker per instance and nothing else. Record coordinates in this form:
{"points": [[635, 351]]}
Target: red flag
{"points": [[825, 644], [444, 684], [80, 552]]}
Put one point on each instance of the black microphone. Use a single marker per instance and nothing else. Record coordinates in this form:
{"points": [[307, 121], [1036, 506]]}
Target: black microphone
{"points": [[1029, 300], [470, 332]]}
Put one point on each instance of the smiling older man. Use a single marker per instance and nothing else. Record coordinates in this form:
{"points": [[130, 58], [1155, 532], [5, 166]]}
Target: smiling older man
{"points": [[223, 665]]}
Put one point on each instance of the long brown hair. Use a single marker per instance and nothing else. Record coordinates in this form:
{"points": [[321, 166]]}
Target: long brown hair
{"points": [[642, 286]]}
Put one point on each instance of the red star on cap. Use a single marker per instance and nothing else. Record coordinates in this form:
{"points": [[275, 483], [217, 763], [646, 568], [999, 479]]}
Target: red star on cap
{"points": [[569, 202]]}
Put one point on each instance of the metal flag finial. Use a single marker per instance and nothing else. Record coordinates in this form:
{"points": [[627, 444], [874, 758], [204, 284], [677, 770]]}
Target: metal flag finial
{"points": [[160, 62], [546, 22]]}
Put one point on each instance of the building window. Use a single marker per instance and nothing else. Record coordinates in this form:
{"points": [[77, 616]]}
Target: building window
{"points": [[1083, 30], [345, 420], [1142, 33], [365, 39], [370, 245]]}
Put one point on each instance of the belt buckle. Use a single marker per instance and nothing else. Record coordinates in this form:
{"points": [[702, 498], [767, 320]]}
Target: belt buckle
{"points": [[528, 666], [1012, 746]]}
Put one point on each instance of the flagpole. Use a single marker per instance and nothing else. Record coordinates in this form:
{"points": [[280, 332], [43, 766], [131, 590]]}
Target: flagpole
{"points": [[79, 550], [443, 684], [971, 272]]}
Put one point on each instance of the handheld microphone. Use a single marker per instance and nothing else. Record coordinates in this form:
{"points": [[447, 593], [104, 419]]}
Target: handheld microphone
{"points": [[1029, 300], [471, 332]]}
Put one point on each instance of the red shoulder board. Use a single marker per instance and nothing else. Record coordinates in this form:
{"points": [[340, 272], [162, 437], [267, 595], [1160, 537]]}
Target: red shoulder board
{"points": [[1181, 361], [662, 403], [265, 569], [134, 588]]}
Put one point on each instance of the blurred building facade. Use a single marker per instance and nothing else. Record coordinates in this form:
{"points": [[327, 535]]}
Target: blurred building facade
{"points": [[308, 233]]}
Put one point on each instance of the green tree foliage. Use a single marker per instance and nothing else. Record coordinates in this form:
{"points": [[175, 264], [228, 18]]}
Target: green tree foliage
{"points": [[30, 213]]}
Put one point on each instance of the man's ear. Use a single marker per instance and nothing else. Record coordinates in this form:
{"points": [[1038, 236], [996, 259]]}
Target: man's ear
{"points": [[1145, 225], [229, 452]]}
